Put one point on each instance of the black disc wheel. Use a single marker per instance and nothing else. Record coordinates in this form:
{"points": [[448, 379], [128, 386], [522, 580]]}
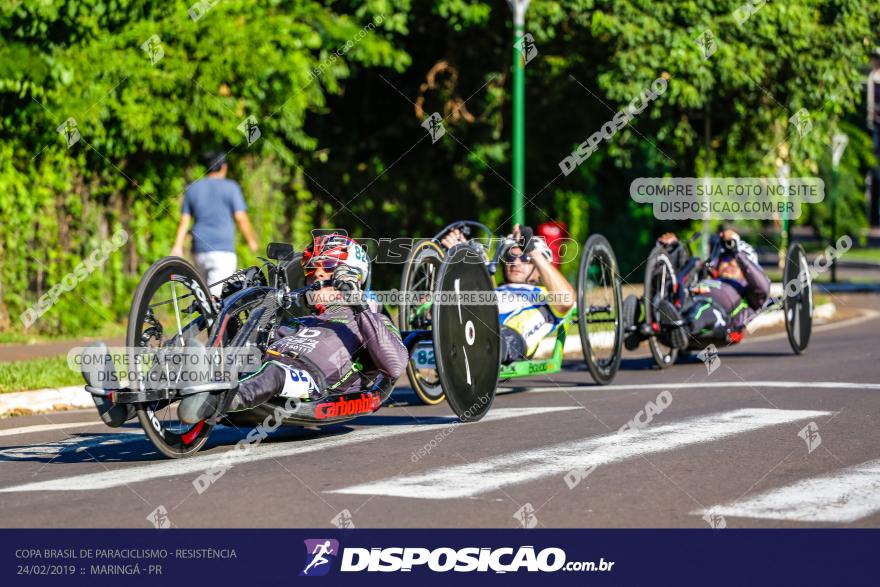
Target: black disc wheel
{"points": [[600, 323], [171, 308], [417, 285], [660, 285], [466, 333], [797, 301]]}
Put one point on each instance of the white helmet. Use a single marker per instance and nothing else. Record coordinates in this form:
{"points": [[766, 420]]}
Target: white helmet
{"points": [[332, 250]]}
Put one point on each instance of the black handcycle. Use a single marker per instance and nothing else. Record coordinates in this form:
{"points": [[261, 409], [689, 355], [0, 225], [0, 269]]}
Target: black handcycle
{"points": [[173, 309], [672, 273], [597, 312]]}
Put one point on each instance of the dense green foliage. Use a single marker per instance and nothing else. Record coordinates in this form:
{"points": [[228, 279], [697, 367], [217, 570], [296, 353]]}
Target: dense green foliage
{"points": [[339, 90]]}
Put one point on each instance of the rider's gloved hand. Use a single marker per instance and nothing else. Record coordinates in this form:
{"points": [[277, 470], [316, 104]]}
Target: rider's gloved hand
{"points": [[525, 237], [541, 249], [730, 241], [530, 244], [347, 280]]}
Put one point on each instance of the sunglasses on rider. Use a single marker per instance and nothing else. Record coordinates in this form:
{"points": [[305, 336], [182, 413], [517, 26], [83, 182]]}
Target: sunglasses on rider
{"points": [[326, 264], [511, 258]]}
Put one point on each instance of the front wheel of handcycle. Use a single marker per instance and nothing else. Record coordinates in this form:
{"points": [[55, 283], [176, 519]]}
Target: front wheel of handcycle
{"points": [[660, 284], [797, 301], [417, 285], [599, 309], [171, 307]]}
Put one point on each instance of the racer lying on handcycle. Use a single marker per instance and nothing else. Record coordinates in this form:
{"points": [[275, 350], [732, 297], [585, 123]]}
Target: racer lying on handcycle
{"points": [[344, 346], [720, 304], [527, 316]]}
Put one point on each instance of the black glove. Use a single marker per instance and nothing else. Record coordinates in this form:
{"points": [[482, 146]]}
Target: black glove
{"points": [[347, 281], [527, 239]]}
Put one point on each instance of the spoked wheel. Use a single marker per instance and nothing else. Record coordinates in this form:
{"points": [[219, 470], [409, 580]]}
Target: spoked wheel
{"points": [[170, 308], [659, 285], [418, 283], [797, 301], [599, 309]]}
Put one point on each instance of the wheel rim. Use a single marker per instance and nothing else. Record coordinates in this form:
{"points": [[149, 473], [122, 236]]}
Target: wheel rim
{"points": [[419, 284], [798, 299], [171, 313], [599, 308], [659, 285]]}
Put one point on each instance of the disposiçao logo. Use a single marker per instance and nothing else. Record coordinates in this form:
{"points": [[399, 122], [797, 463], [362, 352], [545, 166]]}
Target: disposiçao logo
{"points": [[320, 554]]}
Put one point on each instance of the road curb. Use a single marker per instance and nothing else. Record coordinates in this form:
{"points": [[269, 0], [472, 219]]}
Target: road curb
{"points": [[21, 403]]}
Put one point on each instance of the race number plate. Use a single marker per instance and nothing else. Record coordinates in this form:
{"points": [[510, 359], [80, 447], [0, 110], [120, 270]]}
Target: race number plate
{"points": [[423, 357], [298, 384]]}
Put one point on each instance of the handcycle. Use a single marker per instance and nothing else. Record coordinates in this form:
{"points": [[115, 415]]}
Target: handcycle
{"points": [[172, 309], [597, 311], [672, 273]]}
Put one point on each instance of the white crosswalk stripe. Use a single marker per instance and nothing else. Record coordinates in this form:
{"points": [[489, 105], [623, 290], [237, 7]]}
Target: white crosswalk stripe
{"points": [[490, 474], [120, 477], [49, 427], [846, 495]]}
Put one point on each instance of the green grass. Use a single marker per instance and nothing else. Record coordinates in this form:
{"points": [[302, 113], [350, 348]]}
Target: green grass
{"points": [[870, 255], [19, 337], [859, 254], [37, 374]]}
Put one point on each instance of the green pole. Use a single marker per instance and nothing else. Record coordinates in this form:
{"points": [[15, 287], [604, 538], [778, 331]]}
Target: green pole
{"points": [[783, 174], [519, 112], [838, 146]]}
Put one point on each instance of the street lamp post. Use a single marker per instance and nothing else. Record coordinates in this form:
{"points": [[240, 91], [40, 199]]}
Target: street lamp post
{"points": [[519, 111], [838, 145]]}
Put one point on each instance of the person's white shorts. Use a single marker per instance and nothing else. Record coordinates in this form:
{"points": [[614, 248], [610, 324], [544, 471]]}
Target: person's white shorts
{"points": [[216, 265]]}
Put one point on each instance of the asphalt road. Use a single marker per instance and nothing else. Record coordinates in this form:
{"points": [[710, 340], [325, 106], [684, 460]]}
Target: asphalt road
{"points": [[767, 439]]}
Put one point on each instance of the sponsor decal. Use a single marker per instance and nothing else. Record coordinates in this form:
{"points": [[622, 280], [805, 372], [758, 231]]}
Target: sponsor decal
{"points": [[365, 404]]}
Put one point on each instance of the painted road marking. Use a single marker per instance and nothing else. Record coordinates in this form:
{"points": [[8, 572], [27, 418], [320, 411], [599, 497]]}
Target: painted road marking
{"points": [[71, 445], [530, 465], [845, 495], [704, 385], [119, 477], [45, 427]]}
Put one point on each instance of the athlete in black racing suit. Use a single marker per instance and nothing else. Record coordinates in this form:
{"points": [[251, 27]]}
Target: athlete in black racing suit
{"points": [[721, 304], [343, 347]]}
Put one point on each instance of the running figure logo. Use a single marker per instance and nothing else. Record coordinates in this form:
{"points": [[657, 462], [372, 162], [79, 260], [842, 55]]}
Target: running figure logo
{"points": [[526, 516], [153, 48], [250, 129], [434, 126], [706, 44], [69, 131], [527, 48], [802, 122], [317, 552]]}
